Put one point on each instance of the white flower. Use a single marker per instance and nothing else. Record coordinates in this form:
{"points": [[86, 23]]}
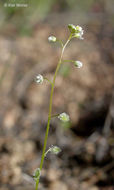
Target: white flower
{"points": [[39, 79], [78, 28], [64, 117], [79, 32], [78, 64], [52, 39]]}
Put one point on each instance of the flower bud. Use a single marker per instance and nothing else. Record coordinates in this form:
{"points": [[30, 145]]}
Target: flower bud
{"points": [[37, 174], [39, 79], [55, 150], [72, 28], [78, 64], [52, 39], [64, 117]]}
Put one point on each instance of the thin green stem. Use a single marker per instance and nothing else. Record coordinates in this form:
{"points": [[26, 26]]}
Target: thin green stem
{"points": [[50, 108], [37, 182], [48, 80], [55, 115], [68, 61], [47, 151]]}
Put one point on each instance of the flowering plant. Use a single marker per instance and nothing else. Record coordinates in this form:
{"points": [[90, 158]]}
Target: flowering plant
{"points": [[75, 32]]}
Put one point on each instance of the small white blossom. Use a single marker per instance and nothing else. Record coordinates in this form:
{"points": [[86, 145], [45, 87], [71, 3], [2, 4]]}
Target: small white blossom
{"points": [[78, 64], [39, 79], [64, 117], [78, 28], [79, 35], [52, 39], [79, 32]]}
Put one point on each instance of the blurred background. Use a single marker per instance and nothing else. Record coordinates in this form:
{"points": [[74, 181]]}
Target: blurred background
{"points": [[87, 95]]}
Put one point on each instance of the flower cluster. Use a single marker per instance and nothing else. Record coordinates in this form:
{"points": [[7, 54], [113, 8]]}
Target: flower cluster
{"points": [[76, 31]]}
